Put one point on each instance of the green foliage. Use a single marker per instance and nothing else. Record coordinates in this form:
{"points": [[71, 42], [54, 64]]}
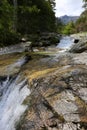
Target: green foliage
{"points": [[8, 38], [35, 15], [5, 15], [7, 34], [25, 17], [85, 4], [59, 26], [69, 29], [81, 24]]}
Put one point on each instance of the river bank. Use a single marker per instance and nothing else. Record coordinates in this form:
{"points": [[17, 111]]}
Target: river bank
{"points": [[57, 81]]}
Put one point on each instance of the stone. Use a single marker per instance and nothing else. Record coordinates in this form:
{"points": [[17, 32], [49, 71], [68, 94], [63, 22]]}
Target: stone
{"points": [[80, 46], [68, 110], [23, 39], [83, 94], [58, 84], [69, 126]]}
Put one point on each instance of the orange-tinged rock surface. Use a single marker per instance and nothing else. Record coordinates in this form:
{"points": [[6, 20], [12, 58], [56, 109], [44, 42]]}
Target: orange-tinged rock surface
{"points": [[58, 84]]}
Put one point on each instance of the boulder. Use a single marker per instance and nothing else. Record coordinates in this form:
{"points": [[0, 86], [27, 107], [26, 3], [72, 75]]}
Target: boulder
{"points": [[58, 98], [47, 39], [23, 40], [80, 47]]}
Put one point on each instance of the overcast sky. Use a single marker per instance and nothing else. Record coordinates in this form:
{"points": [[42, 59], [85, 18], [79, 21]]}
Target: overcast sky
{"points": [[68, 7]]}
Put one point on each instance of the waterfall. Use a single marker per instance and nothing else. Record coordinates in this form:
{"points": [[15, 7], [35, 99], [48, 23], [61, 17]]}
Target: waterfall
{"points": [[15, 14], [13, 91]]}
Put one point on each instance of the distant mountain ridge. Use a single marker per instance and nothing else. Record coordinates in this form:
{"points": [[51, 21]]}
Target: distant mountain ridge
{"points": [[66, 19]]}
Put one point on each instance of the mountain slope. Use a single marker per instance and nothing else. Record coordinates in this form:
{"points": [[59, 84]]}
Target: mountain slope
{"points": [[66, 19]]}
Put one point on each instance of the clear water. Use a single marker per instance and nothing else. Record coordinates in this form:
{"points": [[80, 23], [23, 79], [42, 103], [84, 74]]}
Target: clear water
{"points": [[65, 43]]}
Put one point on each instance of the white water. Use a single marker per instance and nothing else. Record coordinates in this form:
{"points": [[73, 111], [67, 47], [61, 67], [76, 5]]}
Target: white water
{"points": [[14, 92], [65, 43]]}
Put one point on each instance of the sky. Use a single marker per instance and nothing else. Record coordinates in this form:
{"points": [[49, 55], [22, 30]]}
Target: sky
{"points": [[68, 7]]}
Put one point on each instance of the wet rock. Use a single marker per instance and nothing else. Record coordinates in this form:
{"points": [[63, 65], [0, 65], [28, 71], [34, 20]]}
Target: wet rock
{"points": [[28, 47], [58, 99], [47, 39], [79, 47], [12, 64], [56, 105]]}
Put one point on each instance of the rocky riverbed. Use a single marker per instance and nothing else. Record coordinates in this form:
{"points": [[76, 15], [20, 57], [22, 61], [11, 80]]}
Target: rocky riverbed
{"points": [[58, 85]]}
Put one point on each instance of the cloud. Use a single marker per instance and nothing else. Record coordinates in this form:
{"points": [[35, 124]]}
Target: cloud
{"points": [[68, 7]]}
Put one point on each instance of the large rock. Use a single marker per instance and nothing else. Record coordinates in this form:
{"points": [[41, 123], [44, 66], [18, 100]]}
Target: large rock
{"points": [[79, 47], [11, 64], [58, 84], [21, 47], [47, 39], [58, 99], [80, 41]]}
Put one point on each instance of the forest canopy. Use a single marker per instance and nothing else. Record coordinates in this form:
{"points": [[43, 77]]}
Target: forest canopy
{"points": [[19, 17]]}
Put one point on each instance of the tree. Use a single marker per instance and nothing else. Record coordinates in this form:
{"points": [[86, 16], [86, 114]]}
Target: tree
{"points": [[59, 26], [81, 24], [35, 15], [25, 17], [69, 28], [5, 15], [85, 4]]}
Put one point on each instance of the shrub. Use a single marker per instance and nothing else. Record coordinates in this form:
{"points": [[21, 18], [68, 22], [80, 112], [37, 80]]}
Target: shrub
{"points": [[8, 38]]}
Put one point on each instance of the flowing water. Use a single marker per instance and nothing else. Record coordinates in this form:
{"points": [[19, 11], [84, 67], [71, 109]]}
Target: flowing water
{"points": [[13, 94], [65, 43], [13, 91]]}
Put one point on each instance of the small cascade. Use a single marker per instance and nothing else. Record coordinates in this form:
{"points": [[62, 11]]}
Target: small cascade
{"points": [[65, 43], [13, 91]]}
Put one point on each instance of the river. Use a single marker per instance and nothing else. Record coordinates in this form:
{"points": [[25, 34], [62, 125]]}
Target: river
{"points": [[14, 90]]}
